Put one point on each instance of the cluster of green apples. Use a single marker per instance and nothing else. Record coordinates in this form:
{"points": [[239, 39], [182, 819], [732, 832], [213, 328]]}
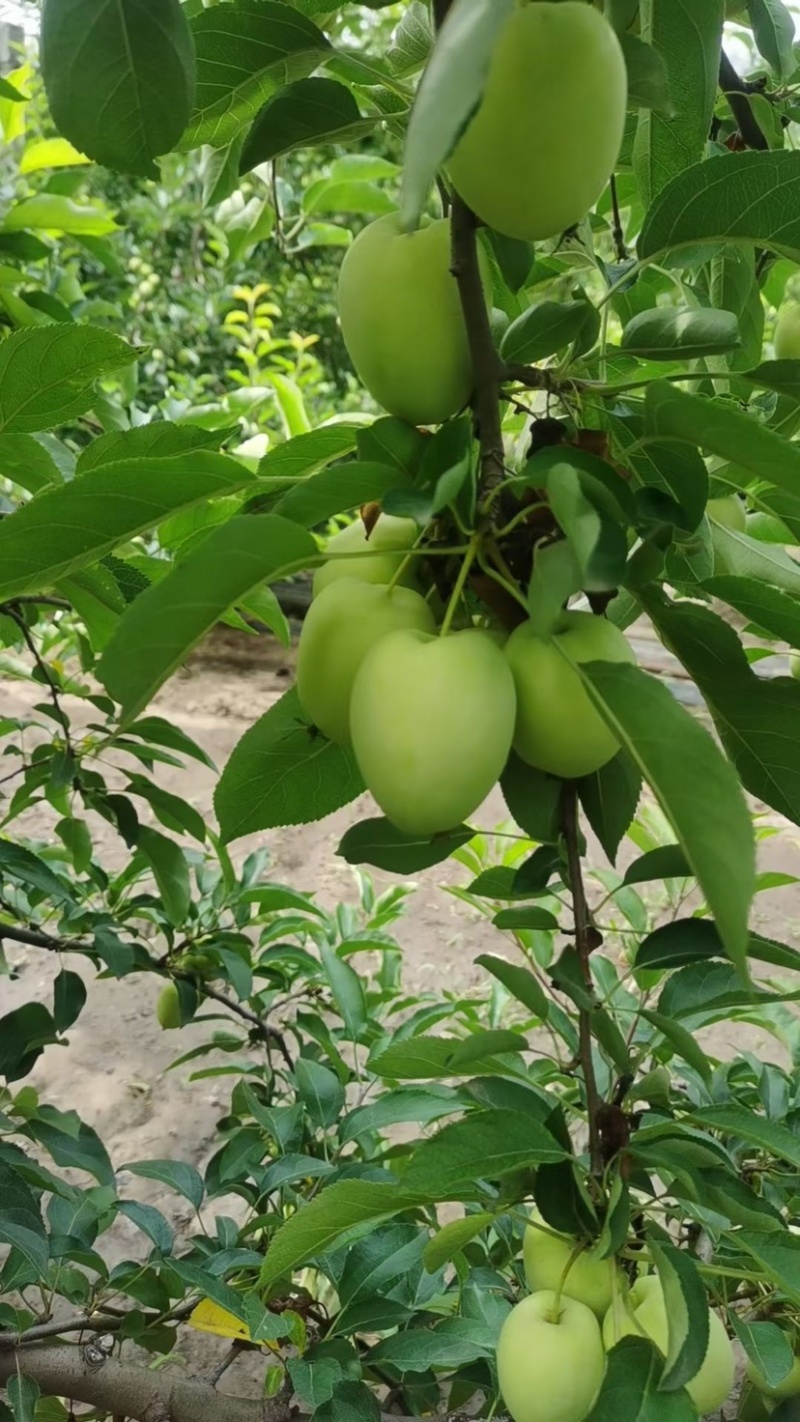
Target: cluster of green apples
{"points": [[430, 714], [551, 1354], [532, 161]]}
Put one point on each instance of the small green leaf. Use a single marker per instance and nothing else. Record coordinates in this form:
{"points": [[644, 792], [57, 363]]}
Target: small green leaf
{"points": [[543, 330], [176, 1174], [282, 772], [302, 115], [666, 862], [338, 490], [486, 1145], [609, 799], [681, 333], [686, 1306], [343, 1206], [451, 1238], [379, 843], [69, 996], [520, 982], [170, 871]]}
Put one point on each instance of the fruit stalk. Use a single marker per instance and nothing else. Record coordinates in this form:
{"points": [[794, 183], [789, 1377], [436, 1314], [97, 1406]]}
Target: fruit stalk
{"points": [[583, 947]]}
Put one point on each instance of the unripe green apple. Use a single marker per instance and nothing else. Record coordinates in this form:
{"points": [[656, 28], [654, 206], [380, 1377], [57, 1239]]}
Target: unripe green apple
{"points": [[550, 1363], [168, 1007], [546, 1256], [712, 1385], [547, 133], [788, 1387], [402, 322], [341, 626], [730, 512], [431, 720], [787, 332], [558, 729], [386, 545], [794, 665]]}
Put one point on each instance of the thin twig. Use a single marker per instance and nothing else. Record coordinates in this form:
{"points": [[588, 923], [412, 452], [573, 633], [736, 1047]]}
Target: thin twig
{"points": [[583, 946], [268, 1034], [16, 616], [36, 600]]}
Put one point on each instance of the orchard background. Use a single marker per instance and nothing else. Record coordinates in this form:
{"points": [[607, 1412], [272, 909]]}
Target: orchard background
{"points": [[387, 1047]]}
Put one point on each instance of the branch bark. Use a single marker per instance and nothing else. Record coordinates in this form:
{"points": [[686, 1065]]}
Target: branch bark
{"points": [[584, 930], [736, 92]]}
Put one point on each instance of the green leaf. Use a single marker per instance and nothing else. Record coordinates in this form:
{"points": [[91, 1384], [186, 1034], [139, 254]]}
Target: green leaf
{"points": [[27, 463], [320, 1090], [178, 1175], [24, 1033], [347, 990], [448, 95], [26, 868], [756, 718], [321, 1222], [170, 871], [722, 429], [687, 39], [686, 940], [47, 374], [533, 798], [74, 524], [686, 1305], [675, 755], [379, 843], [524, 917], [150, 1221], [445, 465], [283, 773], [680, 333], [338, 490], [520, 982], [742, 198], [51, 212], [648, 80], [23, 1394], [734, 1120], [681, 1041], [69, 996], [451, 1238], [78, 1147], [302, 115], [420, 1058], [155, 441], [484, 1146], [415, 1350], [773, 31], [246, 51], [119, 78], [166, 621], [543, 330], [666, 862], [609, 799], [737, 555], [779, 1255], [766, 1345], [349, 1402], [307, 453], [767, 607], [630, 1391], [21, 1224], [419, 1104]]}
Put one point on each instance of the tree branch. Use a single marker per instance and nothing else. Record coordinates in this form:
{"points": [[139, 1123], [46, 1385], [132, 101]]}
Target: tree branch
{"points": [[584, 930], [270, 1035], [131, 1391], [736, 92], [487, 368]]}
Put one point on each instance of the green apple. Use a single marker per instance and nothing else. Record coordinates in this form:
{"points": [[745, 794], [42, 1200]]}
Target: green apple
{"points": [[168, 1007], [712, 1385], [431, 719], [550, 1362], [546, 136], [547, 1255], [401, 319], [387, 545], [794, 665], [558, 729], [729, 511], [787, 332], [341, 626], [788, 1387]]}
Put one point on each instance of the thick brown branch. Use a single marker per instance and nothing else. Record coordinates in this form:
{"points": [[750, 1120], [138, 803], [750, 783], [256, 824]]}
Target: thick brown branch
{"points": [[736, 92], [131, 1391], [487, 369], [583, 944]]}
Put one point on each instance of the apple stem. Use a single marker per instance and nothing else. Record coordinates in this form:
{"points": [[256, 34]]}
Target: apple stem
{"points": [[555, 1312], [469, 559], [584, 931]]}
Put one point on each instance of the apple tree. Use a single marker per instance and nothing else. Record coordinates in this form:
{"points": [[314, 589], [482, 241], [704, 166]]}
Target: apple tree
{"points": [[570, 233]]}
